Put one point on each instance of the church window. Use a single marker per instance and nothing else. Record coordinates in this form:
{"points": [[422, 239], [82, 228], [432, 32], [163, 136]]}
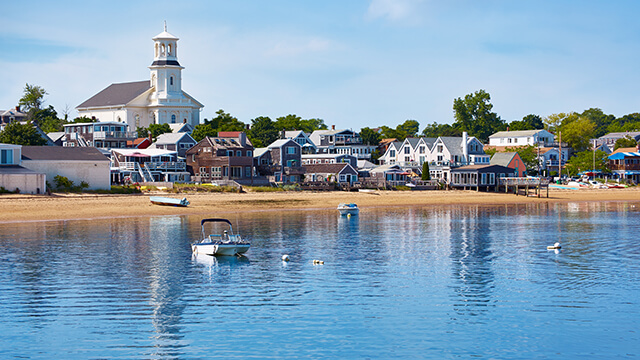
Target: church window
{"points": [[156, 49], [171, 81], [162, 50], [173, 119], [170, 50]]}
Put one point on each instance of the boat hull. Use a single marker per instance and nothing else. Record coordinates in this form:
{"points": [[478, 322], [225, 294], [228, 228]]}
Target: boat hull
{"points": [[220, 249], [350, 211]]}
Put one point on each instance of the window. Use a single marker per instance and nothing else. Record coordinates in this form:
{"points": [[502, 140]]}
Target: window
{"points": [[407, 150], [249, 153], [171, 81], [137, 117], [291, 150], [6, 156], [238, 153], [407, 158], [203, 172], [392, 153], [216, 172], [229, 153], [492, 178], [236, 172], [173, 119], [343, 178], [193, 157], [439, 148], [247, 171], [421, 150]]}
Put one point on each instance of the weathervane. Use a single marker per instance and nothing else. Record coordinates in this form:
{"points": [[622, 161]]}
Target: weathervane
{"points": [[165, 25]]}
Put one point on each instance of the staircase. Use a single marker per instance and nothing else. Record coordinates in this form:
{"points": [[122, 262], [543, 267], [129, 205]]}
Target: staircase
{"points": [[144, 173]]}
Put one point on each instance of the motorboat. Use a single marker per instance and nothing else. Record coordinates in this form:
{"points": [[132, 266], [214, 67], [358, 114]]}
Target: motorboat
{"points": [[348, 209], [167, 201], [226, 243]]}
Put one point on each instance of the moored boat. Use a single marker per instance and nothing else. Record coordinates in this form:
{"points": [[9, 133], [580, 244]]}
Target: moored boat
{"points": [[348, 209], [226, 243], [167, 201]]}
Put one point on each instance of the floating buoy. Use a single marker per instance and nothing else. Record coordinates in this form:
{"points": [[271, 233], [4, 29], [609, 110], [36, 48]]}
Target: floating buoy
{"points": [[285, 257], [318, 262], [348, 215], [555, 246]]}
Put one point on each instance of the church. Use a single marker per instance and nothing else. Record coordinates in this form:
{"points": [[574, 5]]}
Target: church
{"points": [[159, 100]]}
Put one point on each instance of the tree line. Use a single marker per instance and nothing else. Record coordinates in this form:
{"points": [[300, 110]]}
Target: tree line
{"points": [[473, 113]]}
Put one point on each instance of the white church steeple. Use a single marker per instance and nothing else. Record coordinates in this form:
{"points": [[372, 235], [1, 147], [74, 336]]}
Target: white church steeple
{"points": [[166, 72]]}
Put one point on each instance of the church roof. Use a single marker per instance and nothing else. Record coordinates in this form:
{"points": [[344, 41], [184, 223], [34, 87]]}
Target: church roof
{"points": [[117, 94]]}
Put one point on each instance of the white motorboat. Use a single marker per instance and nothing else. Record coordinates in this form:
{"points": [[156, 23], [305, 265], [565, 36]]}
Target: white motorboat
{"points": [[226, 243], [167, 201], [348, 209]]}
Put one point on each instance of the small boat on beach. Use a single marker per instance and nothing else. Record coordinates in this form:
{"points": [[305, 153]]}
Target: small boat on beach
{"points": [[226, 243], [167, 201], [348, 209]]}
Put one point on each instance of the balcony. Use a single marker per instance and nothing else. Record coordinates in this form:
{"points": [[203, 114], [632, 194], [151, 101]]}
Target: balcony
{"points": [[347, 140], [624, 166], [165, 166], [103, 135]]}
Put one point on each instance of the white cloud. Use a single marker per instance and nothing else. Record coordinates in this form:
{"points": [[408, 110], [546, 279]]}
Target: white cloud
{"points": [[395, 10]]}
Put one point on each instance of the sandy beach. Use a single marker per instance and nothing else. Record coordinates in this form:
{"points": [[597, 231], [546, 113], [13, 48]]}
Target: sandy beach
{"points": [[23, 208]]}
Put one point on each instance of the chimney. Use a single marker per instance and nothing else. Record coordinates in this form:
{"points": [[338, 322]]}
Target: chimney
{"points": [[247, 127], [465, 147], [243, 138], [333, 127], [184, 121], [150, 139], [18, 108]]}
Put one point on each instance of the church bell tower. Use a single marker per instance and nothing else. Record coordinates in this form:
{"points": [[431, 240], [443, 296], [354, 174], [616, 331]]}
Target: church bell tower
{"points": [[166, 72]]}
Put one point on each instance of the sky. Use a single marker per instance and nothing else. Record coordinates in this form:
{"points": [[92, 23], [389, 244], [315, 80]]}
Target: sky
{"points": [[354, 63]]}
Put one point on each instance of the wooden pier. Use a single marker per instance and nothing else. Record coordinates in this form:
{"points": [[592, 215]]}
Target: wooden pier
{"points": [[516, 184]]}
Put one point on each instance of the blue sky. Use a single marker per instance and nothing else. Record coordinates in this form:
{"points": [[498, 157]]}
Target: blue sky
{"points": [[352, 63]]}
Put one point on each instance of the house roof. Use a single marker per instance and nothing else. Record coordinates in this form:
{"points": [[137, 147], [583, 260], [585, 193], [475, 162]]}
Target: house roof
{"points": [[629, 149], [281, 142], [386, 168], [12, 112], [259, 152], [620, 135], [518, 133], [117, 94], [181, 127], [453, 144], [325, 156], [326, 168], [62, 153], [365, 164], [173, 138], [502, 158], [55, 135], [144, 152], [490, 167], [15, 169], [624, 154]]}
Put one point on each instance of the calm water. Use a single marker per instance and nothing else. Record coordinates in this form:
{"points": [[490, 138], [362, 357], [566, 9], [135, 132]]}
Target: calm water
{"points": [[424, 282]]}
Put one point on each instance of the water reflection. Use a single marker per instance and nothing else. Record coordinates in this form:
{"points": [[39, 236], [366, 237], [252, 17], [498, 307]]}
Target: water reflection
{"points": [[131, 287]]}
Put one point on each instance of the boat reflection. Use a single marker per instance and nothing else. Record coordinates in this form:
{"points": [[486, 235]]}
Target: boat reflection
{"points": [[210, 260]]}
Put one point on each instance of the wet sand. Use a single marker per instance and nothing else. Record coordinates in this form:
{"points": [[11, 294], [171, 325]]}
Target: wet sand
{"points": [[24, 208]]}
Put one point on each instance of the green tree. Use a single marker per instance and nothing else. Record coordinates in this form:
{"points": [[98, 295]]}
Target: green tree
{"points": [[529, 156], [263, 132], [390, 133], [529, 122], [552, 122], [473, 114], [630, 122], [201, 131], [48, 121], [369, 136], [409, 128], [288, 123], [425, 171], [435, 130], [583, 161], [84, 119], [310, 125], [599, 119], [577, 132], [158, 129], [142, 132], [21, 134], [625, 142], [32, 99]]}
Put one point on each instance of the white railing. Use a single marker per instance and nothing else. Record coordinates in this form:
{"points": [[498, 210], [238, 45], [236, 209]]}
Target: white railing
{"points": [[154, 166], [114, 135]]}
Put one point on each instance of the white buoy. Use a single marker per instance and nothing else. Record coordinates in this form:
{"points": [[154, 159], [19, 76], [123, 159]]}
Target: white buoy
{"points": [[318, 262], [285, 257], [555, 246]]}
